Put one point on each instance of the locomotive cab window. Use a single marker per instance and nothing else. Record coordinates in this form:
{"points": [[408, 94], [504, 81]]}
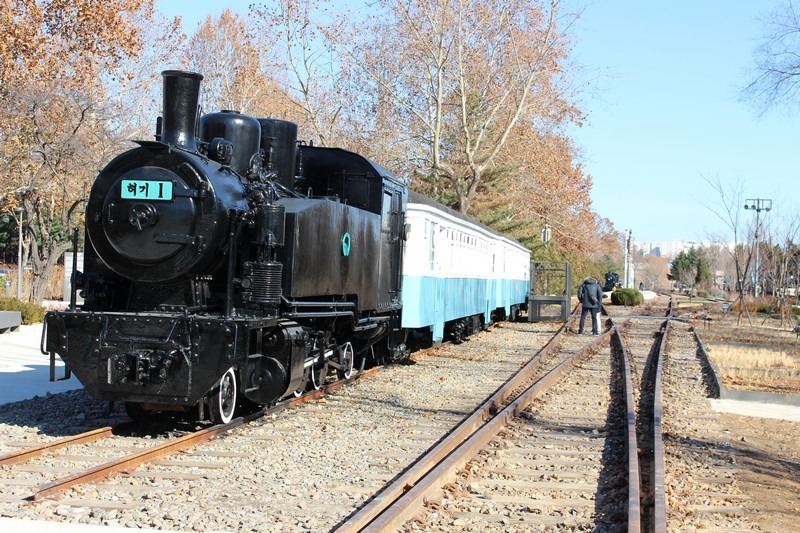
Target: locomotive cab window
{"points": [[386, 213]]}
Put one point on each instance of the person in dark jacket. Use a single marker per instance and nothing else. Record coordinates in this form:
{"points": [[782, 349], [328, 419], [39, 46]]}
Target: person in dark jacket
{"points": [[590, 294]]}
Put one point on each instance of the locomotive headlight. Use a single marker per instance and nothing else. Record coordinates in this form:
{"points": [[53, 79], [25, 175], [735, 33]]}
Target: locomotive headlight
{"points": [[142, 216]]}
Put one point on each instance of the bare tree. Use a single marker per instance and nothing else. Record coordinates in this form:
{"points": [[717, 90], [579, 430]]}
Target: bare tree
{"points": [[729, 210], [226, 50], [295, 53], [779, 263], [467, 97], [64, 76], [461, 75], [776, 77]]}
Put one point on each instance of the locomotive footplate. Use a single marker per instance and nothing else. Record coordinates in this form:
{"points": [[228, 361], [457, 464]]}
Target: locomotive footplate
{"points": [[153, 358]]}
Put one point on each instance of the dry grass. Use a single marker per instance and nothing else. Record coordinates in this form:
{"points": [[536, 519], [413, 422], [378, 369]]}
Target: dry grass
{"points": [[761, 352], [756, 367], [743, 356]]}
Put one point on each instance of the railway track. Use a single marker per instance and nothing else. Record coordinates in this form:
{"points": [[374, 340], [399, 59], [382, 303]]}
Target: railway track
{"points": [[700, 467], [641, 343], [112, 450], [386, 431], [546, 450], [562, 454]]}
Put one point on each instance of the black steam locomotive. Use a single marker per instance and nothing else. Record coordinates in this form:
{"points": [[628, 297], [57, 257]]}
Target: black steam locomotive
{"points": [[612, 281], [226, 263]]}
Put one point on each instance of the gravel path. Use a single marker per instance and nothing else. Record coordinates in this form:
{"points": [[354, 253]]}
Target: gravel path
{"points": [[701, 487]]}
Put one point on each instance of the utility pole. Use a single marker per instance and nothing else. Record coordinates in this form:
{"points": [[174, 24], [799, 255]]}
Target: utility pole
{"points": [[757, 205]]}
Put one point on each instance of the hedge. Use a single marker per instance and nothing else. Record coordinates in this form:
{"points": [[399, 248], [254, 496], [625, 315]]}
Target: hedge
{"points": [[626, 297], [31, 313]]}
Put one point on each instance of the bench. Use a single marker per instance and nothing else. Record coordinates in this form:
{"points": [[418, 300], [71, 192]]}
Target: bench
{"points": [[10, 320]]}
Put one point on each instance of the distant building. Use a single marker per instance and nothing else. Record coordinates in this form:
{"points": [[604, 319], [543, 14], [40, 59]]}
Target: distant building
{"points": [[671, 249]]}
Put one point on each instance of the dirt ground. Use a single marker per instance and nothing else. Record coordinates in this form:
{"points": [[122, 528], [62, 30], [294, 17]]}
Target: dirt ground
{"points": [[767, 450], [768, 458]]}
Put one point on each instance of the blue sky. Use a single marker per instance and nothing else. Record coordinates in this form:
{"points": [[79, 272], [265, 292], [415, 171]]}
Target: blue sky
{"points": [[663, 112]]}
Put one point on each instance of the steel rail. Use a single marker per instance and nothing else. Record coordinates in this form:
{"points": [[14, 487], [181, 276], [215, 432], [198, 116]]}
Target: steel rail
{"points": [[82, 438], [397, 503], [634, 476], [135, 460], [659, 494], [172, 447]]}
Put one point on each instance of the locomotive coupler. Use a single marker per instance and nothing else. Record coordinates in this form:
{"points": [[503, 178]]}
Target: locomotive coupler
{"points": [[142, 366]]}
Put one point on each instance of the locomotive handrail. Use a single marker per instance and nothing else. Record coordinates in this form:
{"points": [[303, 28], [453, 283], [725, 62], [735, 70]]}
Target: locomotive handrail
{"points": [[348, 309], [73, 277], [52, 355], [233, 235], [299, 303], [320, 314], [358, 325]]}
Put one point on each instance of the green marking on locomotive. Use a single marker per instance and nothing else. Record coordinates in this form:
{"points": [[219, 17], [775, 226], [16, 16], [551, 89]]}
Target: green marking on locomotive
{"points": [[346, 244]]}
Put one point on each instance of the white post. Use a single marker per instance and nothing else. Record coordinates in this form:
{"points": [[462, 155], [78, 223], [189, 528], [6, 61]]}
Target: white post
{"points": [[625, 261], [20, 212]]}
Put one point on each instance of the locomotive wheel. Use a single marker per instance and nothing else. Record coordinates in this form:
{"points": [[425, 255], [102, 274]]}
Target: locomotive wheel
{"points": [[346, 357], [318, 375], [222, 402], [458, 332]]}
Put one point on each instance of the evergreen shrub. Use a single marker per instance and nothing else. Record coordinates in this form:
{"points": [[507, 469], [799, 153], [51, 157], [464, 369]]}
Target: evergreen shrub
{"points": [[627, 297], [31, 313]]}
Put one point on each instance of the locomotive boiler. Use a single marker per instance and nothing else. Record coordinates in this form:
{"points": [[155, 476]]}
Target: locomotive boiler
{"points": [[226, 263]]}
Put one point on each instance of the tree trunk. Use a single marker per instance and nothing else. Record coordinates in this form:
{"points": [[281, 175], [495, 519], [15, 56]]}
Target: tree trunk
{"points": [[42, 278]]}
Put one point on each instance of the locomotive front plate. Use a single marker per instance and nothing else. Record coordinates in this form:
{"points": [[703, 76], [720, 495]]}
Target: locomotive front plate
{"points": [[146, 190]]}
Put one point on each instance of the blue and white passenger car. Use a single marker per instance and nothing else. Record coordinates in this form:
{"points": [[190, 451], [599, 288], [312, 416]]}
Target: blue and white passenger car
{"points": [[458, 275]]}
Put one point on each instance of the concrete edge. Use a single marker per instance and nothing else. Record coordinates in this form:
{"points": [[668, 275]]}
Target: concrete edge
{"points": [[743, 395]]}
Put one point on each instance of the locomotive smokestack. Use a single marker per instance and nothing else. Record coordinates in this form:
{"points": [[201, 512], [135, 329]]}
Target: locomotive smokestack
{"points": [[181, 95]]}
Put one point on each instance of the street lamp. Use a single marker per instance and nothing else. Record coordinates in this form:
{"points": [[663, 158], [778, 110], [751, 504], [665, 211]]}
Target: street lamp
{"points": [[758, 205], [546, 233]]}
